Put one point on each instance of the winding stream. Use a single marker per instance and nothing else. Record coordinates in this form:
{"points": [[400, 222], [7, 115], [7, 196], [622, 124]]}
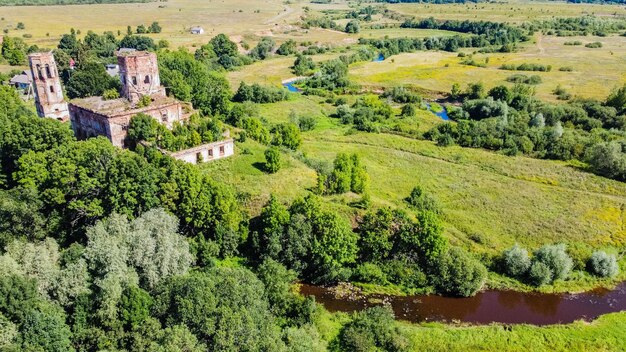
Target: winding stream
{"points": [[507, 307]]}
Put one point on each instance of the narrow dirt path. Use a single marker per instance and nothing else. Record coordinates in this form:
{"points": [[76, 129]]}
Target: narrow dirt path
{"points": [[286, 12]]}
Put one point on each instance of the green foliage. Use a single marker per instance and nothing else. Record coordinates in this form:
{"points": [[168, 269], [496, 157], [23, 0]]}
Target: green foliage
{"points": [[286, 135], [224, 307], [422, 201], [264, 49], [516, 261], [303, 65], [138, 42], [208, 90], [617, 99], [556, 259], [458, 274], [144, 101], [90, 80], [539, 274], [603, 265], [154, 27], [14, 51], [594, 45], [45, 329], [272, 160], [353, 27], [110, 94], [372, 330], [289, 47], [608, 159], [259, 94], [333, 75], [314, 242], [348, 174], [135, 305]]}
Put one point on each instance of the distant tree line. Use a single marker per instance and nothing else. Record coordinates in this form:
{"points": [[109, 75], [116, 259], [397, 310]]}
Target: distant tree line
{"points": [[577, 26], [65, 2], [496, 33]]}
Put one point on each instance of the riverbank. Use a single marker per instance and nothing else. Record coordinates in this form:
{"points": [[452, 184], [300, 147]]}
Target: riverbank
{"points": [[486, 307], [603, 334]]}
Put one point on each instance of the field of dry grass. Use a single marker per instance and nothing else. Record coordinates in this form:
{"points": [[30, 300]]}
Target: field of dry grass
{"points": [[595, 71], [512, 11]]}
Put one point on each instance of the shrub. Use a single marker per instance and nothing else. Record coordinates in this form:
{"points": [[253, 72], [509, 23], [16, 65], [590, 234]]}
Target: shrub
{"points": [[458, 274], [272, 160], [144, 101], [556, 259], [353, 27], [422, 201], [370, 273], [373, 329], [593, 45], [539, 274], [516, 261], [110, 94], [603, 264]]}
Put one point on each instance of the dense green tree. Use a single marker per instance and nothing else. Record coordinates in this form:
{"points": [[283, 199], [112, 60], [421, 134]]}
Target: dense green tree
{"points": [[135, 305], [154, 27], [372, 330], [264, 49], [458, 274], [90, 80], [209, 90], [303, 65], [289, 47], [353, 27], [222, 306], [139, 42], [286, 135], [45, 329], [272, 160], [14, 51], [18, 296]]}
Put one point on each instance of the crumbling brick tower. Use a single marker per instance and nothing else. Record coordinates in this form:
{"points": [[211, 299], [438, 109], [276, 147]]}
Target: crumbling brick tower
{"points": [[47, 84], [139, 73]]}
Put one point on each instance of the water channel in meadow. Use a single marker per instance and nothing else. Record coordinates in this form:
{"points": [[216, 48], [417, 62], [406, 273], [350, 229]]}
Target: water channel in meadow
{"points": [[491, 306]]}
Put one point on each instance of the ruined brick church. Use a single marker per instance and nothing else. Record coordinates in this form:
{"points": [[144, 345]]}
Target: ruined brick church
{"points": [[95, 116]]}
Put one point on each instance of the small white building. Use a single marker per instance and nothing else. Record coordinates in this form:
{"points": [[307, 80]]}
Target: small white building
{"points": [[206, 152], [197, 30]]}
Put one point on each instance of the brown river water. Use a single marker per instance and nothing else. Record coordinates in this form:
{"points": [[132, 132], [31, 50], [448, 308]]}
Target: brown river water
{"points": [[507, 307]]}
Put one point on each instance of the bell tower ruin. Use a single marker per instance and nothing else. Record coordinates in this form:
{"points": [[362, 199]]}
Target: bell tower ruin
{"points": [[49, 99], [139, 74]]}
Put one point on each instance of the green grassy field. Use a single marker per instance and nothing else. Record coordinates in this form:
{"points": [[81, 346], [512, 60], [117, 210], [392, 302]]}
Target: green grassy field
{"points": [[604, 334], [490, 201]]}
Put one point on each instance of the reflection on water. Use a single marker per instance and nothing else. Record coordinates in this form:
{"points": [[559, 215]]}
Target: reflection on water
{"points": [[291, 87], [486, 307]]}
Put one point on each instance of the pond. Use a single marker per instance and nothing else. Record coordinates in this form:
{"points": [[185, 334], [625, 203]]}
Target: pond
{"points": [[291, 87], [443, 114], [379, 58], [507, 307]]}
